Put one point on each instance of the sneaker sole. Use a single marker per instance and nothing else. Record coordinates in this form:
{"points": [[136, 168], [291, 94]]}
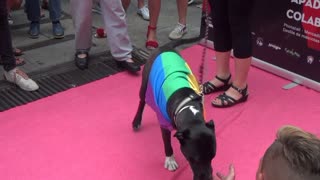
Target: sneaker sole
{"points": [[140, 14], [34, 37], [178, 38], [59, 37]]}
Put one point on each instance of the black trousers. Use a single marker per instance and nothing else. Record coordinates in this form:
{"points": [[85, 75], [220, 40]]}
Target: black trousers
{"points": [[232, 29], [6, 54]]}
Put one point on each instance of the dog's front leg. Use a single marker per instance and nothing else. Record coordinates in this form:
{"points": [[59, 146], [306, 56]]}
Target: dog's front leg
{"points": [[170, 163]]}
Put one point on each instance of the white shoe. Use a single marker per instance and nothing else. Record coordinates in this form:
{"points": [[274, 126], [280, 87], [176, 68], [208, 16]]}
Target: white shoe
{"points": [[21, 79], [190, 2], [178, 32], [144, 13]]}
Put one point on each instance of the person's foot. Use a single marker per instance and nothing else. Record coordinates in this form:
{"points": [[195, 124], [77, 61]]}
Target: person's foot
{"points": [[232, 96], [34, 30], [129, 65], [57, 30], [218, 83], [178, 32], [152, 42], [82, 60], [20, 61], [21, 79], [144, 13], [100, 33]]}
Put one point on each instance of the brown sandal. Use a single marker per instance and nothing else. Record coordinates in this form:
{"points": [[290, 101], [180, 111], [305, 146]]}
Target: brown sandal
{"points": [[20, 61]]}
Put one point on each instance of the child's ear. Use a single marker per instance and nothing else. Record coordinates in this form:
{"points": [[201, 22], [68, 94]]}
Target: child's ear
{"points": [[259, 175]]}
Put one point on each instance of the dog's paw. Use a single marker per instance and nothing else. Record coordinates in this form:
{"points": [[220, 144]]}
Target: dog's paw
{"points": [[170, 163]]}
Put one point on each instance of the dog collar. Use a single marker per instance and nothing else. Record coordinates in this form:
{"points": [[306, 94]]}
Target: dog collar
{"points": [[179, 109], [181, 106]]}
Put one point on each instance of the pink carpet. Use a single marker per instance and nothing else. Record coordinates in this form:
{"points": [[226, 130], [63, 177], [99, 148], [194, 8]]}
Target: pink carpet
{"points": [[85, 133]]}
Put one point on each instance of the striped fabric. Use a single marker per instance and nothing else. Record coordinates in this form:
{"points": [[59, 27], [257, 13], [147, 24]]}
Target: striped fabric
{"points": [[168, 73]]}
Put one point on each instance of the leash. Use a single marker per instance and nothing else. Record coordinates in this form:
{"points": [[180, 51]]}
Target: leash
{"points": [[204, 51]]}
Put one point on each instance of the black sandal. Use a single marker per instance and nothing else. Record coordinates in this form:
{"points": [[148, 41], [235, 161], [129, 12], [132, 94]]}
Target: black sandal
{"points": [[209, 88], [227, 101], [82, 63]]}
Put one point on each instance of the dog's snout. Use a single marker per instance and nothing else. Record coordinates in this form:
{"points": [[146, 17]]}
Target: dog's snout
{"points": [[203, 177]]}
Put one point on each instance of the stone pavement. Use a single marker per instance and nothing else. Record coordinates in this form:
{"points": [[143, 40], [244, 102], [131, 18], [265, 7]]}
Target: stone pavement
{"points": [[46, 52]]}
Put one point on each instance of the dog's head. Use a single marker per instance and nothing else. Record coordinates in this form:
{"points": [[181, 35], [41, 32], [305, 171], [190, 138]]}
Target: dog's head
{"points": [[198, 145]]}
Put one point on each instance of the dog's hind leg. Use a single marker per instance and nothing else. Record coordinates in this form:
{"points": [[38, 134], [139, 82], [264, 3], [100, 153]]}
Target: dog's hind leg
{"points": [[138, 117], [170, 163]]}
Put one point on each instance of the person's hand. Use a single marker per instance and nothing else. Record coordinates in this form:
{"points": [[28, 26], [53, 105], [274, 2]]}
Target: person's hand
{"points": [[231, 175]]}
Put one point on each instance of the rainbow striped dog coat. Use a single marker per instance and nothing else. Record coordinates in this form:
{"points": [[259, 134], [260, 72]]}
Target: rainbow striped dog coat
{"points": [[169, 72]]}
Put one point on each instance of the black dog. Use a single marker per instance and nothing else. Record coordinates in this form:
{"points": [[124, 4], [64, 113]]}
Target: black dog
{"points": [[182, 111]]}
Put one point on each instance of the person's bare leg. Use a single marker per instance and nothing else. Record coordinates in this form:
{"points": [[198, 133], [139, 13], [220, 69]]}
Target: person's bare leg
{"points": [[222, 67], [140, 4], [125, 4], [182, 6], [242, 67], [154, 9]]}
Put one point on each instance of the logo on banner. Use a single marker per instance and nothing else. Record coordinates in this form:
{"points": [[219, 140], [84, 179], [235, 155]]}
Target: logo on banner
{"points": [[259, 41], [310, 59], [292, 53], [274, 46]]}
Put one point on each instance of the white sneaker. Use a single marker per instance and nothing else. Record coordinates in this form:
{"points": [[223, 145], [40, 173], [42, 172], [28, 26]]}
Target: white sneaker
{"points": [[144, 13], [21, 79], [190, 2], [178, 32]]}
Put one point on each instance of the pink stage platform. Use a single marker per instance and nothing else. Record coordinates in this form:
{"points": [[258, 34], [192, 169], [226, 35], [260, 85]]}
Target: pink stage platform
{"points": [[85, 133]]}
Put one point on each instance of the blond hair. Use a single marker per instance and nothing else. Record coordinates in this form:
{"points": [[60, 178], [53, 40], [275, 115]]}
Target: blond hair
{"points": [[301, 149], [296, 149]]}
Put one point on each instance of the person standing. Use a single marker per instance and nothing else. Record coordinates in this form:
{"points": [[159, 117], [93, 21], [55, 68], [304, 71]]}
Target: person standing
{"points": [[114, 18], [177, 33], [7, 60], [34, 15], [232, 30]]}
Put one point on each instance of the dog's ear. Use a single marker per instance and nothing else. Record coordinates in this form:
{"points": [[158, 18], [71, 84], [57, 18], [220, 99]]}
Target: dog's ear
{"points": [[182, 135], [210, 125]]}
